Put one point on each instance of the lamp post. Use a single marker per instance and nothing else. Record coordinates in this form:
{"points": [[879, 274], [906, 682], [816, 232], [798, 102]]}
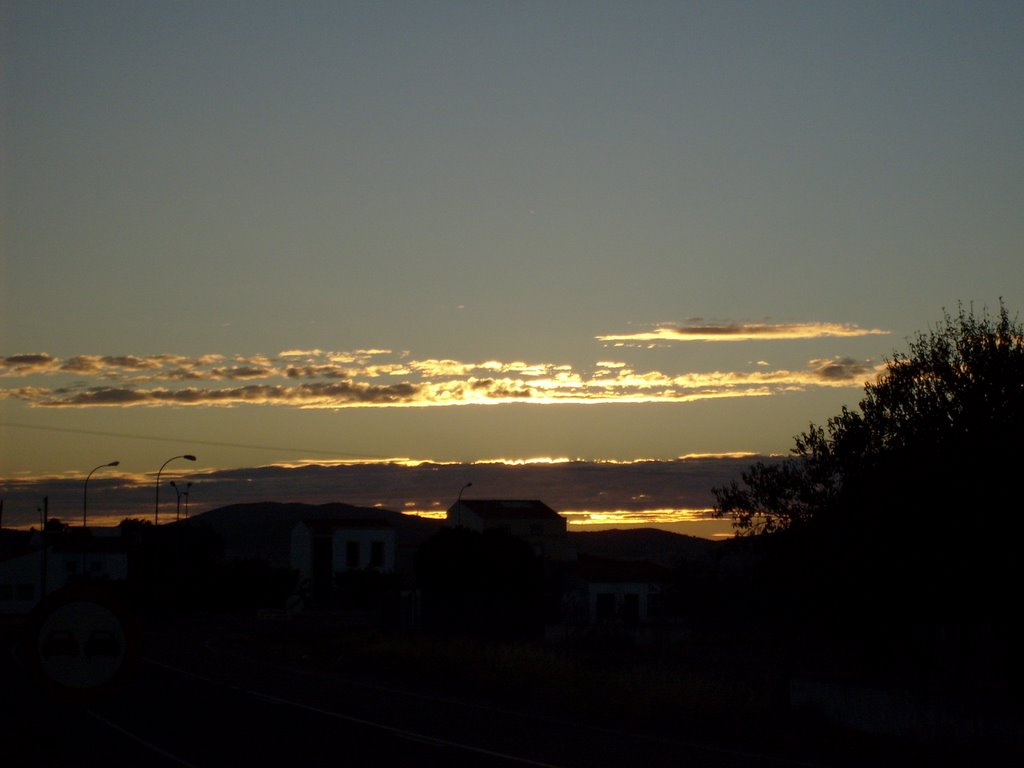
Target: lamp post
{"points": [[458, 503], [177, 504], [180, 493], [85, 489], [187, 457]]}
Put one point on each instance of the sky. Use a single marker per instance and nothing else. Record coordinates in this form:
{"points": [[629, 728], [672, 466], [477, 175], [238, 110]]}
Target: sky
{"points": [[274, 235]]}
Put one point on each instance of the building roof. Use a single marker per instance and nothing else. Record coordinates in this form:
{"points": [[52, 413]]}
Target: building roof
{"points": [[507, 509]]}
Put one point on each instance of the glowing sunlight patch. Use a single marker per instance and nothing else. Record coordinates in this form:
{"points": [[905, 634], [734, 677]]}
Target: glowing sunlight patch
{"points": [[584, 518], [726, 455], [523, 462], [428, 514]]}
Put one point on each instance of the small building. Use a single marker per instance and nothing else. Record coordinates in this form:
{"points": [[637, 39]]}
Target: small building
{"points": [[320, 549], [34, 564], [619, 592], [528, 519], [21, 571]]}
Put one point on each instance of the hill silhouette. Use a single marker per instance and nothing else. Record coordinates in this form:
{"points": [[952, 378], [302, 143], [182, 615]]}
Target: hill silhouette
{"points": [[651, 544]]}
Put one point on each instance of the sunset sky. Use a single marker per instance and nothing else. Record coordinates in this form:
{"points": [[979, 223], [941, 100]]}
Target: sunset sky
{"points": [[273, 233]]}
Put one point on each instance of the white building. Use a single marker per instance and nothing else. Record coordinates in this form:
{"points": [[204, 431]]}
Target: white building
{"points": [[620, 592], [322, 548], [33, 564]]}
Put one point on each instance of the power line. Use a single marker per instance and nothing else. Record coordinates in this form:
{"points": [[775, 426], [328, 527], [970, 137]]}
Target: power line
{"points": [[100, 433]]}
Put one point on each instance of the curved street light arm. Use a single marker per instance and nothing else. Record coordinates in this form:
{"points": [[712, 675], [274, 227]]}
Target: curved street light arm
{"points": [[156, 509], [85, 488]]}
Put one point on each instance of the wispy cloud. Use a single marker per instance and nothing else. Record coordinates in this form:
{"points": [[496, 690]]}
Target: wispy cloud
{"points": [[28, 364], [844, 369], [320, 395], [700, 331], [375, 378], [301, 352]]}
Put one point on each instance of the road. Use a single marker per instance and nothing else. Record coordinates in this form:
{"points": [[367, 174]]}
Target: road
{"points": [[192, 703]]}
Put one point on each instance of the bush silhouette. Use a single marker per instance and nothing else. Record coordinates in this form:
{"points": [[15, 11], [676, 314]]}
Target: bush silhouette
{"points": [[486, 584]]}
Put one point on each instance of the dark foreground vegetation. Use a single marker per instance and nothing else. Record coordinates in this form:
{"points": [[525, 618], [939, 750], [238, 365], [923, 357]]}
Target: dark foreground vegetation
{"points": [[885, 552]]}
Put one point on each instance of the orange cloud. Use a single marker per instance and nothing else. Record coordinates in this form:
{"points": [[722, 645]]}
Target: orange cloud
{"points": [[369, 379], [320, 395], [301, 353], [744, 332], [27, 364]]}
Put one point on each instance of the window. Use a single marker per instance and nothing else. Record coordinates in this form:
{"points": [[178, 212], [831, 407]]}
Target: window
{"points": [[604, 608], [656, 608], [352, 554], [377, 554], [631, 609], [70, 566]]}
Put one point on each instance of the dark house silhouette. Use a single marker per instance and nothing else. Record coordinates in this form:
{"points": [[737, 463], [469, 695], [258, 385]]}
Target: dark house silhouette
{"points": [[323, 548], [626, 593], [528, 519]]}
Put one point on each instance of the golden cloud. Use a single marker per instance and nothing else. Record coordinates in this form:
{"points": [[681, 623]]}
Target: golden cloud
{"points": [[300, 353], [744, 332], [368, 380], [27, 364]]}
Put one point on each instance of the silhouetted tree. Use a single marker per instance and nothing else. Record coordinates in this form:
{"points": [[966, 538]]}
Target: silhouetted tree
{"points": [[132, 524], [942, 424], [179, 567], [55, 525], [250, 583], [897, 524]]}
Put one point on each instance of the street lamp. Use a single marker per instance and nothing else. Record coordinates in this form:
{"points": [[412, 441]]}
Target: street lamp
{"points": [[177, 514], [177, 505], [85, 490], [458, 503], [187, 457]]}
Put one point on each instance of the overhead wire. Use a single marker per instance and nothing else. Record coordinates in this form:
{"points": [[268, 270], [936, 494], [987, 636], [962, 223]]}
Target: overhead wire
{"points": [[190, 441]]}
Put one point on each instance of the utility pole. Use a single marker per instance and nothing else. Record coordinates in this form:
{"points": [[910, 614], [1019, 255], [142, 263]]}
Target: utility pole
{"points": [[46, 514]]}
